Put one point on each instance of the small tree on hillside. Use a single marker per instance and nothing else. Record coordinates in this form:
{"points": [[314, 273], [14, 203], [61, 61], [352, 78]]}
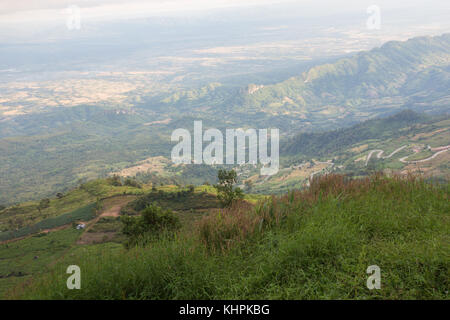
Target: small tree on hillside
{"points": [[249, 185], [132, 183], [151, 224], [226, 193], [115, 181], [43, 204]]}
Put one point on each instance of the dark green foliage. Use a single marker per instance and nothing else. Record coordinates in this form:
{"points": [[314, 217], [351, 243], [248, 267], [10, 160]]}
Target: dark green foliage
{"points": [[132, 183], [174, 200], [115, 181], [98, 204], [319, 144], [152, 222], [43, 204], [226, 193]]}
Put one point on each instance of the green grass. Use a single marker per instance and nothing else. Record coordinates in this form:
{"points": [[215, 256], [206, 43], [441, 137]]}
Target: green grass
{"points": [[18, 262], [314, 244], [107, 224], [100, 188]]}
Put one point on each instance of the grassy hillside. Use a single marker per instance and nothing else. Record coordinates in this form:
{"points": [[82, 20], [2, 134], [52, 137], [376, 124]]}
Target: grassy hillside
{"points": [[32, 215], [22, 260], [32, 238], [311, 244]]}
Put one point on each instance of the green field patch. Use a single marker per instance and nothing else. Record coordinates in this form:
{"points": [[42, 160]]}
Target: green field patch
{"points": [[106, 224], [84, 213], [22, 259]]}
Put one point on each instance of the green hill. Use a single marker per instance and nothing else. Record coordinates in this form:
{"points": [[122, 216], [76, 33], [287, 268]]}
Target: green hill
{"points": [[33, 236], [312, 244]]}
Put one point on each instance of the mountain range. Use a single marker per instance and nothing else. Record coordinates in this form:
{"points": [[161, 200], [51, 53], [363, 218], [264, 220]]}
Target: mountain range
{"points": [[43, 152]]}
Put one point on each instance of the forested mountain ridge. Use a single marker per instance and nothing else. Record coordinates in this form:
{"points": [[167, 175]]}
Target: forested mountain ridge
{"points": [[413, 74], [397, 69], [322, 143]]}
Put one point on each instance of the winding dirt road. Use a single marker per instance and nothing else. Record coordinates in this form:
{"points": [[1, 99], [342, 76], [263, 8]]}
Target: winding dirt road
{"points": [[380, 154], [403, 160], [423, 160]]}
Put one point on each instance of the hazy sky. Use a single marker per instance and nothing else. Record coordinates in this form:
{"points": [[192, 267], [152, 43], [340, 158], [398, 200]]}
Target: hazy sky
{"points": [[25, 10], [23, 18]]}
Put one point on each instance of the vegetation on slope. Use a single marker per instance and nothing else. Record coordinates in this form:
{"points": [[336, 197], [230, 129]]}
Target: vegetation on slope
{"points": [[310, 244], [25, 259], [82, 214], [366, 81], [27, 215], [319, 144], [106, 199]]}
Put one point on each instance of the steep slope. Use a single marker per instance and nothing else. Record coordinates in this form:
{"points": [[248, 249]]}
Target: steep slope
{"points": [[413, 74], [318, 144], [397, 73]]}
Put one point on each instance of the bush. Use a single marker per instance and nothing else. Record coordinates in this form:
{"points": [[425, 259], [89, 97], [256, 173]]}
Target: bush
{"points": [[226, 193], [132, 183], [44, 204], [115, 181], [153, 222]]}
